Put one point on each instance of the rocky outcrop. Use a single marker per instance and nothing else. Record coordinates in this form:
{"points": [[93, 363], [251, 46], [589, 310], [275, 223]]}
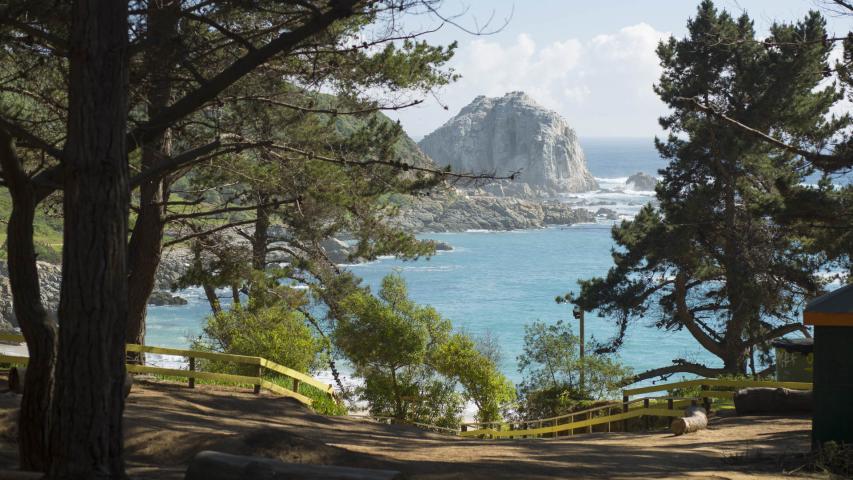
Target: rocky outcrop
{"points": [[458, 212], [641, 182], [50, 277], [337, 251], [172, 266], [161, 298], [508, 134]]}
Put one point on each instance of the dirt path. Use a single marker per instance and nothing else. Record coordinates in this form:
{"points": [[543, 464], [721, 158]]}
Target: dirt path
{"points": [[167, 424]]}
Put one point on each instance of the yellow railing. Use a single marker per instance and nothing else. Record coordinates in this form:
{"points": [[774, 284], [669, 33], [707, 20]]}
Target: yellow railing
{"points": [[192, 373], [627, 409]]}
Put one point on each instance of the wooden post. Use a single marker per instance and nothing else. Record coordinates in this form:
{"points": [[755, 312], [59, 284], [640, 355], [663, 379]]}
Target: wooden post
{"points": [[191, 382], [625, 410], [669, 403], [706, 401], [258, 385], [646, 417], [296, 385]]}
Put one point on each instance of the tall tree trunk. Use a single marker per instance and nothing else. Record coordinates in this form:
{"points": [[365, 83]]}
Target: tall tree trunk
{"points": [[145, 248], [38, 327], [86, 426]]}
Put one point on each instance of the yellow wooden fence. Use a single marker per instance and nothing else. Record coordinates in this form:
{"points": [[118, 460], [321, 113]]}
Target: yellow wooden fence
{"points": [[665, 406], [259, 381]]}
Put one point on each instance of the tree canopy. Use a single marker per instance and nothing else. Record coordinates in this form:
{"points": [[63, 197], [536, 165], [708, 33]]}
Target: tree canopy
{"points": [[711, 259]]}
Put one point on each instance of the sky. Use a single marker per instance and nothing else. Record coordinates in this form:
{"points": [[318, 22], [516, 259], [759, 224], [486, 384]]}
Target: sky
{"points": [[592, 61]]}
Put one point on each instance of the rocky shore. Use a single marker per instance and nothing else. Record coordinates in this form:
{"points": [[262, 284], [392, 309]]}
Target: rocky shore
{"points": [[458, 212], [173, 265]]}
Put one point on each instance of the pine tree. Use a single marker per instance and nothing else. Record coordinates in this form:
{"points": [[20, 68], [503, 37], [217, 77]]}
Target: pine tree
{"points": [[710, 259]]}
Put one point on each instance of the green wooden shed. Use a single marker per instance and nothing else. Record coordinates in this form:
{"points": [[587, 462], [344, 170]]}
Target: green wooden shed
{"points": [[832, 318]]}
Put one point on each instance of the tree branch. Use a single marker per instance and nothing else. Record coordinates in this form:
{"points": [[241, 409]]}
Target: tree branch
{"points": [[183, 216], [822, 160], [680, 366], [214, 86], [207, 232], [391, 163], [779, 332]]}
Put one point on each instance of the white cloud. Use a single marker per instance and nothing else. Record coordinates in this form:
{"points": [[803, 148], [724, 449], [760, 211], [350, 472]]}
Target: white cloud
{"points": [[603, 85]]}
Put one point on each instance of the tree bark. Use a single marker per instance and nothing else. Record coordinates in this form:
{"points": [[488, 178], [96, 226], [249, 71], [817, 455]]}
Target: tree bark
{"points": [[683, 367], [39, 329], [145, 248], [86, 423]]}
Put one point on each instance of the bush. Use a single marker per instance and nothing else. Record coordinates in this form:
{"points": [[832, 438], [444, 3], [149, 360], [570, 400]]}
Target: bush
{"points": [[275, 333], [412, 363], [551, 366]]}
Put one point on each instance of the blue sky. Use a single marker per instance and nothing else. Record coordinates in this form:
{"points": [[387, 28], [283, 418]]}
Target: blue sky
{"points": [[591, 61]]}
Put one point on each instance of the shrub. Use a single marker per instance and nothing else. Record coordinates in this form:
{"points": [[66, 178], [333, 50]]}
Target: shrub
{"points": [[411, 362], [551, 365], [274, 333]]}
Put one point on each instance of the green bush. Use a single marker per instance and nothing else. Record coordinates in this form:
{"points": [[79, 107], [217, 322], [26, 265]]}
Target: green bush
{"points": [[551, 365], [413, 367], [275, 333]]}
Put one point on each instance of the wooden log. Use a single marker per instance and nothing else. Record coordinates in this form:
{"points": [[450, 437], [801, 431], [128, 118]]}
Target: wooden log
{"points": [[17, 375], [772, 400], [694, 419], [209, 465]]}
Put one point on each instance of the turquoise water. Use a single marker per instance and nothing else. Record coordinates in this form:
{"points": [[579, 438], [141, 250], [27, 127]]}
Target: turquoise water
{"points": [[499, 281], [491, 282]]}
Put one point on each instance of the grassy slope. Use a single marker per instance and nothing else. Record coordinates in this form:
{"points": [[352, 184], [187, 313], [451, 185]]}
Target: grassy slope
{"points": [[47, 231]]}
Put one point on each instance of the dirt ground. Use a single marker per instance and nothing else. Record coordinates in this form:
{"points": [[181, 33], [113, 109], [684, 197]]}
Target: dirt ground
{"points": [[167, 424]]}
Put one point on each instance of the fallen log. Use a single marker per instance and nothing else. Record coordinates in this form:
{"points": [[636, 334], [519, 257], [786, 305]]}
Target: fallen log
{"points": [[18, 375], [772, 400], [208, 465], [694, 419]]}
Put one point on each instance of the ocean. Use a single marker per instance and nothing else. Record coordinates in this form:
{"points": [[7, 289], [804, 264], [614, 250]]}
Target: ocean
{"points": [[498, 282]]}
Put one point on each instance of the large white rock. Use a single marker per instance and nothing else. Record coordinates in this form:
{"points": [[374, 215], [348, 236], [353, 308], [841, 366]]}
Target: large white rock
{"points": [[511, 133]]}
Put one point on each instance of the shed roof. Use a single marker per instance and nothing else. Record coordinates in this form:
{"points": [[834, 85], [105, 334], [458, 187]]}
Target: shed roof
{"points": [[833, 309]]}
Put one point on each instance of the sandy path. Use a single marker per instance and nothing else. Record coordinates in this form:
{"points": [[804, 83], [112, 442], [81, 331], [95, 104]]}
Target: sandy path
{"points": [[167, 424]]}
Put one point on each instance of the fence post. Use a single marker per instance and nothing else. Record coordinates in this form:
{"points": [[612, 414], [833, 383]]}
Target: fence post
{"points": [[669, 403], [296, 385], [191, 382], [706, 401], [258, 385], [625, 410], [646, 417]]}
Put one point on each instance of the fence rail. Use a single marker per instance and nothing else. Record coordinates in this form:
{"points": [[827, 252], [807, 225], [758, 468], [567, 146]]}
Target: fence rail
{"points": [[258, 381], [663, 406]]}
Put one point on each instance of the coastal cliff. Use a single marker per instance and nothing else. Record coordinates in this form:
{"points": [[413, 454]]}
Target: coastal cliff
{"points": [[509, 134]]}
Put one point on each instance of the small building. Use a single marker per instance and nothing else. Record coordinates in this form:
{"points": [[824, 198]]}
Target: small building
{"points": [[832, 318], [794, 359]]}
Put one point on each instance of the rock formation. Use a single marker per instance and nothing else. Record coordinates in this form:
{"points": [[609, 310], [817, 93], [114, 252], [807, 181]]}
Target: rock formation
{"points": [[641, 182], [173, 265], [458, 212], [508, 134]]}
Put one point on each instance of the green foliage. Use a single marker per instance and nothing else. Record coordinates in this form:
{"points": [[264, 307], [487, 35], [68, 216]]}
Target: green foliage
{"points": [[482, 383], [47, 230], [551, 365], [710, 259], [411, 362], [274, 333]]}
